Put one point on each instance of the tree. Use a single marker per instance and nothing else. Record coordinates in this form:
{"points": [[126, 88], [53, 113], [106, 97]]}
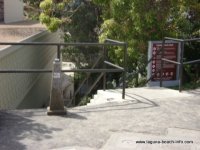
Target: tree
{"points": [[187, 23], [83, 27], [85, 22], [80, 19], [135, 22], [139, 21], [55, 13], [31, 9]]}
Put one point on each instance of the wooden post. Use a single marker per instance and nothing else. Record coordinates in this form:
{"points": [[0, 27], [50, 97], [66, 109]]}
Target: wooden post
{"points": [[56, 106]]}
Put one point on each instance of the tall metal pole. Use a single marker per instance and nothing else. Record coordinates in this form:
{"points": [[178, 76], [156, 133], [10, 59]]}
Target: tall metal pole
{"points": [[181, 67], [104, 76], [124, 72], [162, 63], [58, 52]]}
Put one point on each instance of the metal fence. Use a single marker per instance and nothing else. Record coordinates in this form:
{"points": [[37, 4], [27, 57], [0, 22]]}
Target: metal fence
{"points": [[180, 62], [107, 43]]}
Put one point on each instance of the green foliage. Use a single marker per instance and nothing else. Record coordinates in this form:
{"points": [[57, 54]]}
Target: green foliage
{"points": [[111, 84], [139, 21], [78, 19], [133, 21], [31, 9], [85, 22], [44, 18], [189, 86], [84, 101], [187, 22], [54, 13], [46, 5], [185, 19], [54, 24]]}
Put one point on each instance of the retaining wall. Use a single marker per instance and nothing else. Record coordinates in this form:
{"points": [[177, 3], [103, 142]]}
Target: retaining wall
{"points": [[27, 90]]}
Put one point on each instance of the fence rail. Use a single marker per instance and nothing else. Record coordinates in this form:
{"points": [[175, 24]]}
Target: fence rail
{"points": [[180, 61], [107, 43], [50, 71]]}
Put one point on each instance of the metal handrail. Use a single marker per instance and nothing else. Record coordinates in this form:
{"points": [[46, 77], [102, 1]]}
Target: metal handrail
{"points": [[94, 84], [50, 71], [86, 78], [64, 44], [180, 62], [182, 40], [108, 42], [125, 45], [113, 65]]}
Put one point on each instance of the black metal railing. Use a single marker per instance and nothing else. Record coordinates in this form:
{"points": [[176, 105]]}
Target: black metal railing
{"points": [[107, 43], [179, 62], [85, 80]]}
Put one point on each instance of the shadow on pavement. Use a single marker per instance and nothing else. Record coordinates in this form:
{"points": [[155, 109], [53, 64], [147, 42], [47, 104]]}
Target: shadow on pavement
{"points": [[132, 103], [15, 128], [73, 116]]}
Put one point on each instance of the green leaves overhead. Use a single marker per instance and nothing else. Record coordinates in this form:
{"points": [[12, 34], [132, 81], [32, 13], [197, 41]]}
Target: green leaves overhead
{"points": [[54, 14], [140, 21], [46, 5]]}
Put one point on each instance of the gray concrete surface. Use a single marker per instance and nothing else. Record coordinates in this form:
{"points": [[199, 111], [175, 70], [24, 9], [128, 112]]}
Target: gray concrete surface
{"points": [[108, 126], [143, 94]]}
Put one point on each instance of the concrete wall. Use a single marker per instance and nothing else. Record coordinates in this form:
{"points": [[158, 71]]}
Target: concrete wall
{"points": [[13, 11], [27, 90]]}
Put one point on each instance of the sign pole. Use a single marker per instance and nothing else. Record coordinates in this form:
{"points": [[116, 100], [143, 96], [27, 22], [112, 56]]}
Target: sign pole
{"points": [[161, 68], [181, 67]]}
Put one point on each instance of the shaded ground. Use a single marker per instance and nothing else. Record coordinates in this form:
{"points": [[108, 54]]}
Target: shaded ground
{"points": [[103, 126]]}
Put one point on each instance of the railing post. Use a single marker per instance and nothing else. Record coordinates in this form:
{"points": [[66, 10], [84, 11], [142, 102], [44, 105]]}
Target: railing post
{"points": [[104, 76], [124, 72], [162, 63], [74, 100], [181, 67], [56, 106], [58, 52]]}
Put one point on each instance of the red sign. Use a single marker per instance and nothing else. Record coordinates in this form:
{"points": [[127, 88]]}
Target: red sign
{"points": [[169, 69]]}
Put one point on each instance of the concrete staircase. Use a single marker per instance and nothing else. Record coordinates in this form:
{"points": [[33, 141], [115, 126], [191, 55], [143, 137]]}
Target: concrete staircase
{"points": [[108, 96], [134, 94]]}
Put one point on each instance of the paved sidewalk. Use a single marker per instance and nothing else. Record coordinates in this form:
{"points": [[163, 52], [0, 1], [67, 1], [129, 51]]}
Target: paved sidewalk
{"points": [[173, 120]]}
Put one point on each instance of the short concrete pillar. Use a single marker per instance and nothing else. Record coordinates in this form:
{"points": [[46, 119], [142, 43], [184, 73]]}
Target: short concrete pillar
{"points": [[56, 106]]}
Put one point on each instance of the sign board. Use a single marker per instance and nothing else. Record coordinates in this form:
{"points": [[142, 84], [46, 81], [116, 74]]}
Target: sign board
{"points": [[170, 71]]}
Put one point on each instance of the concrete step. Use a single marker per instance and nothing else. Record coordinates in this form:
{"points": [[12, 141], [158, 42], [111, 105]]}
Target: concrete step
{"points": [[107, 96], [137, 94]]}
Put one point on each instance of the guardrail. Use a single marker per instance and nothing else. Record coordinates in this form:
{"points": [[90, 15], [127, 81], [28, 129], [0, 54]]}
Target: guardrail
{"points": [[108, 42], [180, 62]]}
